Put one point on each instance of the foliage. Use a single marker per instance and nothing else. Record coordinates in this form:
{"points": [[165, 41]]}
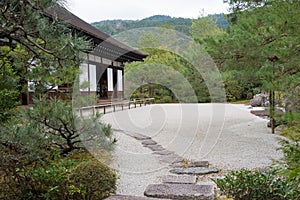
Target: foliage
{"points": [[204, 27], [257, 184], [37, 143], [7, 102], [55, 118], [37, 48], [167, 77], [92, 180], [291, 159], [262, 44], [49, 181], [33, 142], [113, 27], [54, 180]]}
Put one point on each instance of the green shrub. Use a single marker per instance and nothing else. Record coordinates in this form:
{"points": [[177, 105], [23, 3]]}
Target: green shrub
{"points": [[92, 180], [38, 181], [63, 178], [49, 181], [291, 160], [257, 184]]}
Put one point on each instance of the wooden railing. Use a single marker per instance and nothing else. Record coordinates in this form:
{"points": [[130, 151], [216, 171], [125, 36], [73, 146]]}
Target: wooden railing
{"points": [[112, 107]]}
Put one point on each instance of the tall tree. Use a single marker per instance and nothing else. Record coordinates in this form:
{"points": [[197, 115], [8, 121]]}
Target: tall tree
{"points": [[35, 47], [263, 41], [203, 27]]}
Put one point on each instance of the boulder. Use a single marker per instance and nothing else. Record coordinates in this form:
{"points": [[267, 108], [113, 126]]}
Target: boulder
{"points": [[259, 100]]}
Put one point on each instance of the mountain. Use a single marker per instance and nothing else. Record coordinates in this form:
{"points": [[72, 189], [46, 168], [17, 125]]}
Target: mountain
{"points": [[113, 27]]}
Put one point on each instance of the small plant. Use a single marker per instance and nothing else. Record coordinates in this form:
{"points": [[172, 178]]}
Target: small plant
{"points": [[92, 180], [257, 184]]}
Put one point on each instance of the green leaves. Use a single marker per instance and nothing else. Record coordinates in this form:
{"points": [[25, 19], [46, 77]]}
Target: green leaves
{"points": [[257, 184], [204, 27]]}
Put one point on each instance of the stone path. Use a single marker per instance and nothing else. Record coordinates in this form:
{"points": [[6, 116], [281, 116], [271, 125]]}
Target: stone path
{"points": [[183, 185]]}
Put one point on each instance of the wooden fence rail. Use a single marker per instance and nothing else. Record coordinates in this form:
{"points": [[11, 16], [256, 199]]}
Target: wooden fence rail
{"points": [[113, 105]]}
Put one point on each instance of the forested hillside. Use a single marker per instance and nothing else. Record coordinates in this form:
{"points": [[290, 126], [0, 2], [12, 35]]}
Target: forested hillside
{"points": [[183, 25]]}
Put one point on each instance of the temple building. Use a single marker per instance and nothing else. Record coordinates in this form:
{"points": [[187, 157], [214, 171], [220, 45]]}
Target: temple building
{"points": [[103, 68]]}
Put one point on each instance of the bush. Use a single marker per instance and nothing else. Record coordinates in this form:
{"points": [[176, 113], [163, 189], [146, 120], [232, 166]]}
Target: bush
{"points": [[92, 180], [49, 181], [38, 146], [63, 178], [255, 184], [43, 181], [291, 160]]}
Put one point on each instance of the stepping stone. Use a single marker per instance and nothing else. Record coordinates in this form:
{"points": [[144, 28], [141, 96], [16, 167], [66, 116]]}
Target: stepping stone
{"points": [[194, 170], [164, 152], [181, 191], [191, 164], [138, 136], [127, 197], [179, 179], [198, 164], [149, 142], [156, 147], [171, 158]]}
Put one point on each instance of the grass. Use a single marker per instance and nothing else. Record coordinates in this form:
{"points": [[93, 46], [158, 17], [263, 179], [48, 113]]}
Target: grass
{"points": [[247, 102]]}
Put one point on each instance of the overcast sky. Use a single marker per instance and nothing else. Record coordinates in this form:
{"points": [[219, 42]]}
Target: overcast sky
{"points": [[98, 10]]}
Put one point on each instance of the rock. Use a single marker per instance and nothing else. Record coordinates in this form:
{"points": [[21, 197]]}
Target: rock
{"points": [[171, 159], [259, 100], [156, 147], [148, 142], [126, 197], [194, 170], [260, 113], [164, 152], [198, 164], [181, 191], [191, 164], [179, 179], [138, 136]]}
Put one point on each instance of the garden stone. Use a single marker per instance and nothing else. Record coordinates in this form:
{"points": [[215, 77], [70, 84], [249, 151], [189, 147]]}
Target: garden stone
{"points": [[138, 136], [164, 152], [194, 170], [181, 191], [148, 142], [126, 197], [179, 179], [198, 164], [156, 147]]}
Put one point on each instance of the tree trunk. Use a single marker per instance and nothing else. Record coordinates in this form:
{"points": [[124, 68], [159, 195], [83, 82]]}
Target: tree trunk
{"points": [[272, 110]]}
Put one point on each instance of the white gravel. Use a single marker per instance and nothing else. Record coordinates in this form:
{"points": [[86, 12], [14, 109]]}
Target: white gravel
{"points": [[226, 135]]}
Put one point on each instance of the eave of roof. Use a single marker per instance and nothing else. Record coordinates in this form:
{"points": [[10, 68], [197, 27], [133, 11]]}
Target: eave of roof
{"points": [[77, 23]]}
